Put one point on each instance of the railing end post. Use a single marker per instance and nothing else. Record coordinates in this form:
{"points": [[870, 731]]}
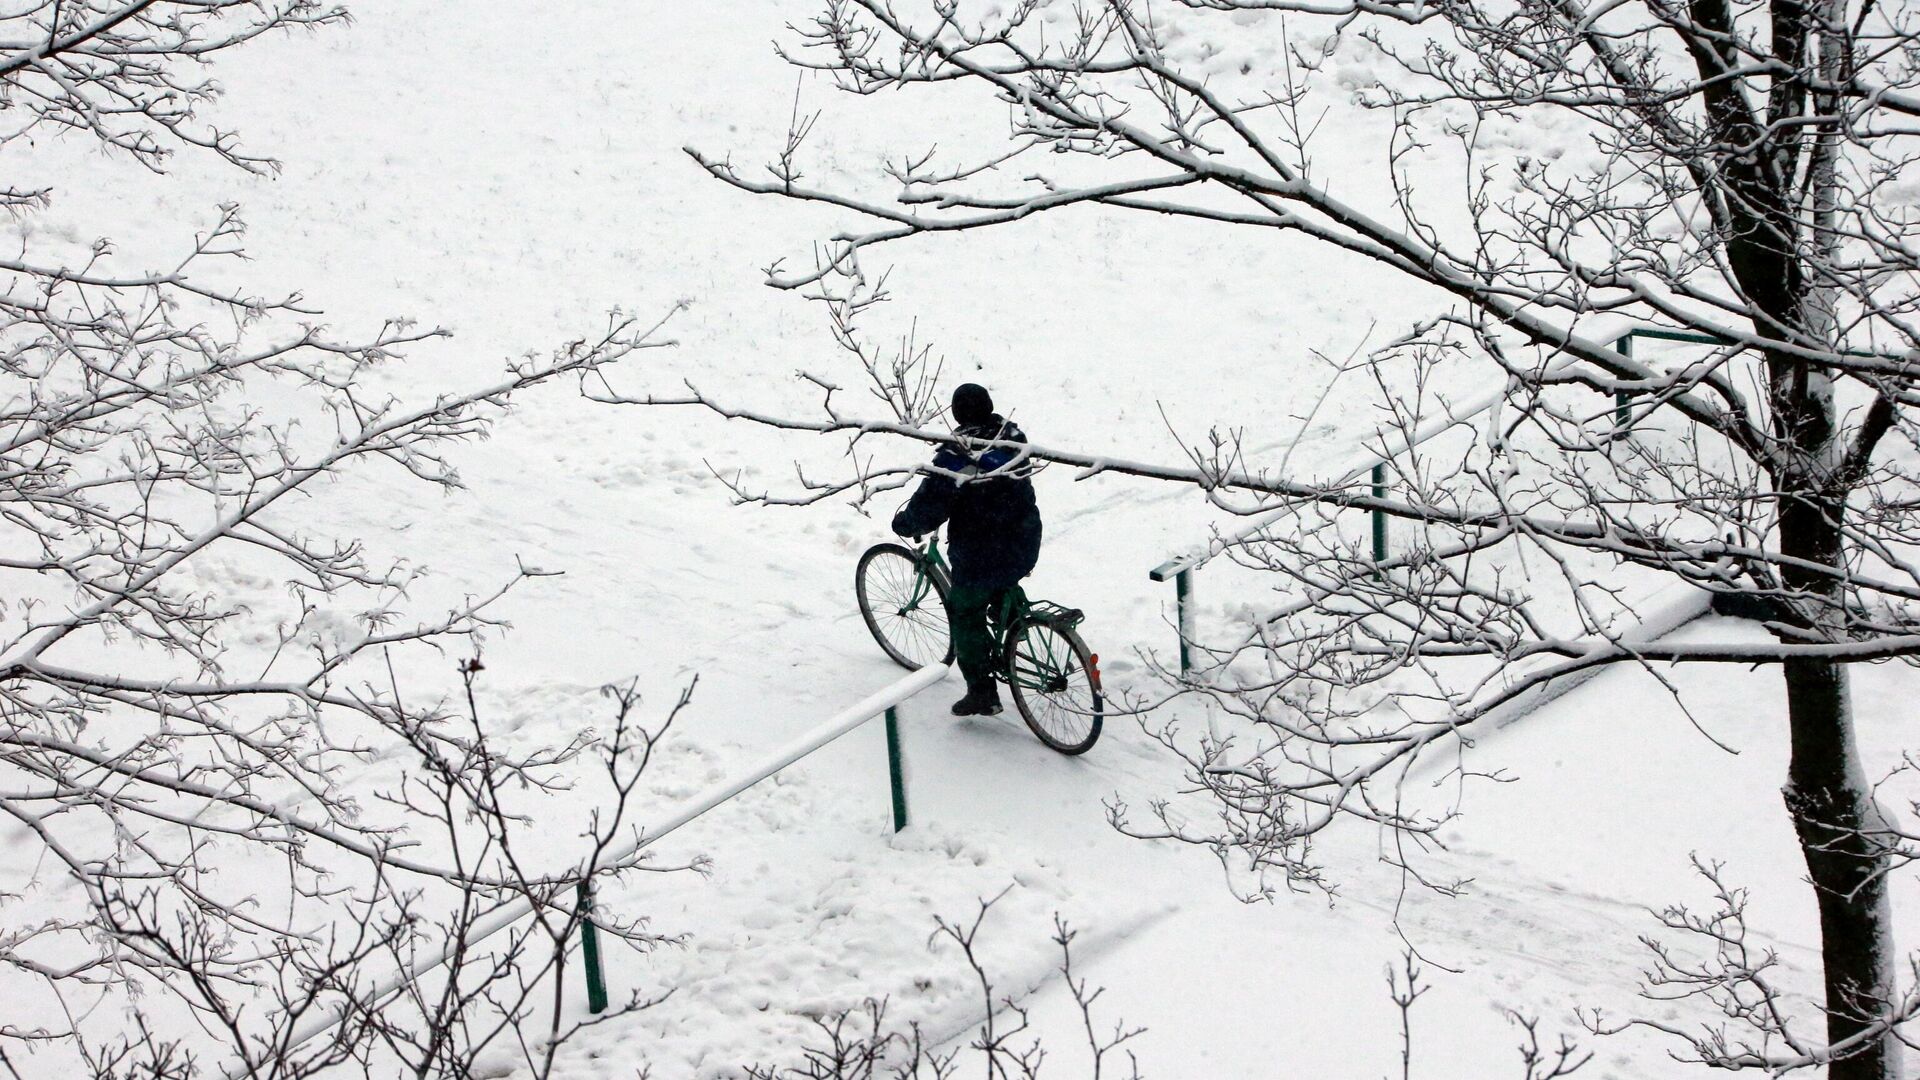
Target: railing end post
{"points": [[590, 947], [1379, 516], [1183, 617], [896, 774], [1622, 401]]}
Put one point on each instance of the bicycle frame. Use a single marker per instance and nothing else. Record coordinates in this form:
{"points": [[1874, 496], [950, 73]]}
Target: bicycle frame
{"points": [[1047, 671], [923, 581], [1043, 671]]}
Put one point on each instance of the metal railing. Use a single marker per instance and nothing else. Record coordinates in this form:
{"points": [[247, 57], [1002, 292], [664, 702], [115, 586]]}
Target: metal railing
{"points": [[1622, 399], [880, 703], [1372, 464]]}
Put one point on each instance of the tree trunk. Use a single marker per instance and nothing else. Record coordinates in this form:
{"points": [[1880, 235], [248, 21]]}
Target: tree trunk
{"points": [[1842, 834]]}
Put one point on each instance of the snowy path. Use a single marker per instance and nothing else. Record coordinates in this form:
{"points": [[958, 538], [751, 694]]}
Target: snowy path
{"points": [[1564, 864]]}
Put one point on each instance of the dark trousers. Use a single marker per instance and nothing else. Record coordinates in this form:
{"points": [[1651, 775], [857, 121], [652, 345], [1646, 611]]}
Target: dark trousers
{"points": [[969, 609]]}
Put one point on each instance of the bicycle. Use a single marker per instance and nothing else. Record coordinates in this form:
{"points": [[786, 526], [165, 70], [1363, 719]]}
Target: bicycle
{"points": [[1054, 678]]}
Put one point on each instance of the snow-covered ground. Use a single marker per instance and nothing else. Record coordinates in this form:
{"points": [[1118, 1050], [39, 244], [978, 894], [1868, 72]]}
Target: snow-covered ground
{"points": [[514, 176]]}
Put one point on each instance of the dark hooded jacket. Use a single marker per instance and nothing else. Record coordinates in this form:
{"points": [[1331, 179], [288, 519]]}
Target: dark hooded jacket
{"points": [[993, 523]]}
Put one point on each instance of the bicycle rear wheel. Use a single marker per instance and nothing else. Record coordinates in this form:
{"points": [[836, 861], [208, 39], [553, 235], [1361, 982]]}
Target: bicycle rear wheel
{"points": [[1056, 684], [905, 604]]}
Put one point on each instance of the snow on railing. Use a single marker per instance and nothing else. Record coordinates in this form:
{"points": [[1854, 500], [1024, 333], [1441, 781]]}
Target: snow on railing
{"points": [[1655, 617], [880, 703], [1372, 463]]}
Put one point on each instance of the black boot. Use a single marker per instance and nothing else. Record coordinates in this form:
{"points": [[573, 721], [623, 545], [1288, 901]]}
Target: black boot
{"points": [[982, 699]]}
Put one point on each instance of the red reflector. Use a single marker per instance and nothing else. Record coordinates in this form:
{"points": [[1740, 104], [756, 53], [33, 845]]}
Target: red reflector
{"points": [[1093, 669]]}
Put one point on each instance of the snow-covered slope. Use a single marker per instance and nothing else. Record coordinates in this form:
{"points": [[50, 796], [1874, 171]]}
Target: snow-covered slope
{"points": [[462, 169]]}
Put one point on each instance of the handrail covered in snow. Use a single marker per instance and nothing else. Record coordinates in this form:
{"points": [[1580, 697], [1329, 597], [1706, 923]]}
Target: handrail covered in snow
{"points": [[1613, 329], [874, 705], [1371, 464]]}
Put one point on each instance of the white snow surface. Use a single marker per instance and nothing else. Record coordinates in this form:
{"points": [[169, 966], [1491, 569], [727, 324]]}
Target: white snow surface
{"points": [[514, 173]]}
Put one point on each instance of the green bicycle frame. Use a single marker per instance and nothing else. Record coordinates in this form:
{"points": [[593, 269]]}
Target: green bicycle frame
{"points": [[923, 581], [1045, 673], [1037, 667]]}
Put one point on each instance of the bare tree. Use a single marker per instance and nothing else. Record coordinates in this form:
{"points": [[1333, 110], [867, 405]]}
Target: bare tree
{"points": [[178, 747], [862, 1044], [1744, 184], [481, 986], [1735, 975]]}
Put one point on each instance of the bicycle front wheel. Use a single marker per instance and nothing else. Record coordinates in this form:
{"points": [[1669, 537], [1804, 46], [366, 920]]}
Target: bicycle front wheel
{"points": [[1056, 685], [904, 601]]}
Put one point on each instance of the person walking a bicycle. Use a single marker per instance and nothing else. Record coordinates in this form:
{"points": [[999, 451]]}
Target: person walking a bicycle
{"points": [[983, 493]]}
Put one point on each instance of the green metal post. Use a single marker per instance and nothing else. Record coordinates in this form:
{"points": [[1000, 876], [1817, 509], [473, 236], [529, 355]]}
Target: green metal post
{"points": [[1379, 516], [1183, 616], [895, 774], [1621, 412], [590, 949]]}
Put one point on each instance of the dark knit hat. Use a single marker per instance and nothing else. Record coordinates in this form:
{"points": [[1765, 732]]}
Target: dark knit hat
{"points": [[971, 404]]}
